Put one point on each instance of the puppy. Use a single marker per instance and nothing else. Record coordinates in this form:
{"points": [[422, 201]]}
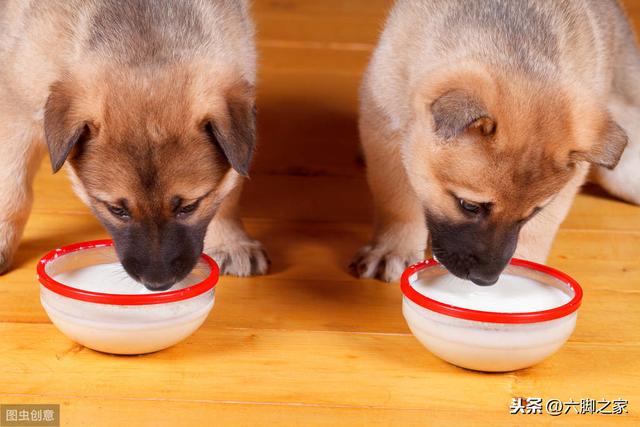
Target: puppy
{"points": [[151, 105], [479, 121]]}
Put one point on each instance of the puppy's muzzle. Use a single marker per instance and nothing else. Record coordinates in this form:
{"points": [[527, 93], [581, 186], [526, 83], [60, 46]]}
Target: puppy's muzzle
{"points": [[472, 253]]}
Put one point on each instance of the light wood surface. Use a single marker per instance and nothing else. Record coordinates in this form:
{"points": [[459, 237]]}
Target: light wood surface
{"points": [[307, 344]]}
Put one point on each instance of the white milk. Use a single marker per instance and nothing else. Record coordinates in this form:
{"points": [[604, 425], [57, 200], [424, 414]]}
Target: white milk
{"points": [[111, 279], [511, 294]]}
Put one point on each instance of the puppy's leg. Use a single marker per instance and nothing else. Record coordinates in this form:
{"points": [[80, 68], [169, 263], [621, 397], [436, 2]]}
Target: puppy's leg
{"points": [[536, 237], [20, 155], [624, 180], [229, 244], [400, 232]]}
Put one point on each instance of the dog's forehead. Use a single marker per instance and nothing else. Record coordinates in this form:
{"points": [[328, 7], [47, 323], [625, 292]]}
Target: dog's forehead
{"points": [[513, 176], [148, 170]]}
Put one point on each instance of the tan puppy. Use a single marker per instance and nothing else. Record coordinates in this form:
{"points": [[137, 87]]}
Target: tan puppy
{"points": [[151, 103], [479, 121]]}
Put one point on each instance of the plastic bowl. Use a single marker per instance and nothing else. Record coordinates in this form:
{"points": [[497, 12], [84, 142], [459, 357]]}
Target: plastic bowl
{"points": [[487, 340], [122, 323]]}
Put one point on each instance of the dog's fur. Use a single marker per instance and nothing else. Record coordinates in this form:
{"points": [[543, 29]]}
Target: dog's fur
{"points": [[502, 103], [151, 104]]}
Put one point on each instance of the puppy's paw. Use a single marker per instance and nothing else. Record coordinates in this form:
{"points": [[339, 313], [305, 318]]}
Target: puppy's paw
{"points": [[244, 258], [382, 263]]}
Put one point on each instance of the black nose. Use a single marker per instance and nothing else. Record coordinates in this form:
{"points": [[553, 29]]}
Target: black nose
{"points": [[159, 277], [153, 275], [482, 281], [156, 287], [487, 273]]}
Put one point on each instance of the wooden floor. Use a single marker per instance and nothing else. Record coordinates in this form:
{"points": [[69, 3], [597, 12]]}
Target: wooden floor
{"points": [[308, 344]]}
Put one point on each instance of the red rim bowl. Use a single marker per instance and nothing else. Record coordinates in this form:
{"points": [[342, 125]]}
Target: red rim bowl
{"points": [[121, 299], [489, 316]]}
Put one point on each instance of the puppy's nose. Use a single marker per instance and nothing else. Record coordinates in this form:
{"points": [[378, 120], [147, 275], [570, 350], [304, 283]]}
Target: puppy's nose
{"points": [[157, 287], [484, 281], [153, 276], [157, 278]]}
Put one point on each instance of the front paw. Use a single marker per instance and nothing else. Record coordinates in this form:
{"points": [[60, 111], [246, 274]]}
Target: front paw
{"points": [[383, 263], [244, 258]]}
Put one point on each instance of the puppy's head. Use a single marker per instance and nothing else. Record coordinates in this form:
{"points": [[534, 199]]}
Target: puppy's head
{"points": [[488, 154], [154, 157]]}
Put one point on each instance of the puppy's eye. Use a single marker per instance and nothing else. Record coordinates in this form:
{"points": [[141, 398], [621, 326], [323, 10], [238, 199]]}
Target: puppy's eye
{"points": [[185, 211], [119, 212], [470, 207]]}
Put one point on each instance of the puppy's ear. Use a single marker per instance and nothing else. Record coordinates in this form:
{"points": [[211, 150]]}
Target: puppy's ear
{"points": [[457, 112], [611, 140], [235, 132], [62, 129]]}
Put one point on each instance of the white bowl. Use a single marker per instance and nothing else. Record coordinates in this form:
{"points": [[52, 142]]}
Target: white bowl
{"points": [[124, 323], [492, 341]]}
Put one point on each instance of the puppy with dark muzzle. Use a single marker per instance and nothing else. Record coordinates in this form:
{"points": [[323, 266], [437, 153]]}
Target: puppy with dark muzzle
{"points": [[480, 120], [151, 104]]}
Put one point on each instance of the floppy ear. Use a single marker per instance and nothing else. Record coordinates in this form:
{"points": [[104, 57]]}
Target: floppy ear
{"points": [[62, 131], [235, 134], [608, 148], [456, 112]]}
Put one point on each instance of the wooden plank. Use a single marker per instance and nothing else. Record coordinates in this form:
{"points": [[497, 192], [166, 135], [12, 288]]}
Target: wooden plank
{"points": [[330, 21], [279, 57], [587, 373], [633, 10], [306, 368], [594, 209], [82, 411], [337, 30], [301, 131], [325, 368], [322, 9]]}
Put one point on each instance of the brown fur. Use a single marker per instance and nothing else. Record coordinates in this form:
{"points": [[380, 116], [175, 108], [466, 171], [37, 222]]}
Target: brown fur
{"points": [[527, 154]]}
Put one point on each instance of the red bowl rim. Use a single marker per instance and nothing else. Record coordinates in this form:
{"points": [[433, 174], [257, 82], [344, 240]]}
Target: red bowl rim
{"points": [[121, 299], [489, 316]]}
